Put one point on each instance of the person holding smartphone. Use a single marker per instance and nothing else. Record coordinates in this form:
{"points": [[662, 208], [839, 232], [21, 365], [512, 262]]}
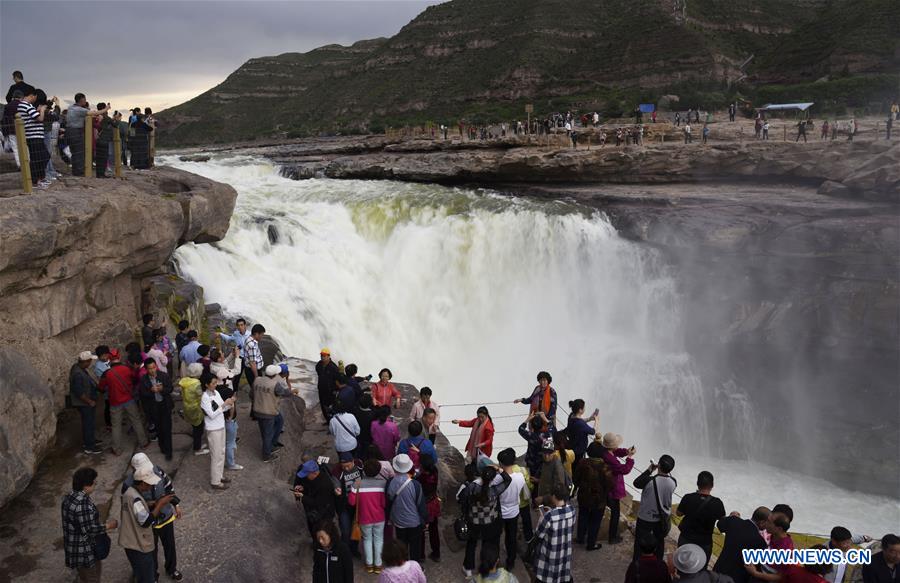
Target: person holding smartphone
{"points": [[579, 429]]}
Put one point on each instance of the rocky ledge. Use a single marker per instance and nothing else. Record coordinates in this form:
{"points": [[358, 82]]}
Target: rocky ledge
{"points": [[869, 169], [80, 262]]}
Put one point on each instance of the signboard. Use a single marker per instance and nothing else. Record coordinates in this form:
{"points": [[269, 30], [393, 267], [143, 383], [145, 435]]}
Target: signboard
{"points": [[647, 107], [529, 108]]}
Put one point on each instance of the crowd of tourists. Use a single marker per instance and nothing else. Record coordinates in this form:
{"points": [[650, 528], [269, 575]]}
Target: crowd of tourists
{"points": [[51, 127], [375, 496]]}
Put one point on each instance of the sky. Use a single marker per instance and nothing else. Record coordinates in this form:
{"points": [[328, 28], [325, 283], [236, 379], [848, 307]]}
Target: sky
{"points": [[133, 53]]}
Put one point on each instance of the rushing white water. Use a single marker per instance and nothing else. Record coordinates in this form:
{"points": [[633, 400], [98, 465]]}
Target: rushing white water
{"points": [[472, 293]]}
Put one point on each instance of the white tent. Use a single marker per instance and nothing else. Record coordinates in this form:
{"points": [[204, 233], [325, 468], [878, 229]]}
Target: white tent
{"points": [[786, 107]]}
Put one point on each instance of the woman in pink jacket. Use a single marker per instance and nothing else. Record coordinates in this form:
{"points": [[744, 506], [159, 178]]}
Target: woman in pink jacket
{"points": [[612, 451], [385, 433], [368, 496]]}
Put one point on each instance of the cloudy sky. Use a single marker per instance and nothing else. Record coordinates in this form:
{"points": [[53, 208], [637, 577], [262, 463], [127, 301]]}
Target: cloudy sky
{"points": [[158, 54]]}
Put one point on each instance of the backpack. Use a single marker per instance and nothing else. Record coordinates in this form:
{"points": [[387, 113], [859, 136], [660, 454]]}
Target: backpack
{"points": [[414, 455]]}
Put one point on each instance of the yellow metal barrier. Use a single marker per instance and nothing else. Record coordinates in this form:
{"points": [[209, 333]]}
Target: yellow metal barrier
{"points": [[89, 146], [117, 151], [24, 157]]}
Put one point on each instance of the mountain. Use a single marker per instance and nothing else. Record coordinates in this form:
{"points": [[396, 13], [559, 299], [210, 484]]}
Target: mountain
{"points": [[485, 59]]}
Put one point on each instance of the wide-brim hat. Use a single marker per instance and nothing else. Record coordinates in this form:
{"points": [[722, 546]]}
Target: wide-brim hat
{"points": [[611, 440], [689, 559], [402, 464]]}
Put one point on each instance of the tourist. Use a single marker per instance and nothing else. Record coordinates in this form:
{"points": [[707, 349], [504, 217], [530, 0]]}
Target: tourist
{"points": [[420, 410], [76, 115], [490, 571], [139, 144], [328, 373], [514, 501], [740, 535], [677, 119], [647, 568], [18, 84], [226, 390], [895, 109], [481, 438], [687, 133], [883, 568], [82, 529], [368, 497], [543, 398], [825, 128], [705, 134], [385, 433], [765, 130], [164, 524], [654, 515], [808, 573], [122, 127], [33, 118], [690, 564], [888, 127], [83, 394], [364, 416], [214, 408], [137, 519], [230, 365], [398, 568], [347, 394], [484, 517], [332, 562], [593, 480], [552, 475], [565, 455], [384, 393], [345, 429], [701, 510], [8, 127], [188, 354], [148, 321], [843, 540], [851, 129], [578, 429], [101, 365], [239, 337], [181, 338], [253, 359], [834, 130], [428, 477], [553, 555], [347, 472], [801, 130], [417, 445], [156, 387], [191, 394], [408, 511], [118, 383], [315, 490], [612, 451], [532, 432], [266, 392], [732, 111], [777, 526], [158, 348]]}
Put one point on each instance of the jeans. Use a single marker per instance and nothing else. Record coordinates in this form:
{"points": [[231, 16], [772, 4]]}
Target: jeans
{"points": [[413, 539], [88, 424], [656, 529], [131, 410], [527, 528], [143, 565], [489, 535], [50, 171], [373, 542], [509, 528], [589, 520], [345, 521], [269, 430], [231, 427], [166, 534], [614, 512]]}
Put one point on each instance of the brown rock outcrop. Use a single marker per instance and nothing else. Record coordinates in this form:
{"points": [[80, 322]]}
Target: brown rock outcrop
{"points": [[72, 267]]}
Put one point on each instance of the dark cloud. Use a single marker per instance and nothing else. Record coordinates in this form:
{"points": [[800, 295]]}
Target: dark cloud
{"points": [[171, 51]]}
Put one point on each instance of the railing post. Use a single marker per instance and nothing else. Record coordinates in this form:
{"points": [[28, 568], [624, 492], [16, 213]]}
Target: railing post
{"points": [[117, 151], [89, 146], [152, 146], [24, 157]]}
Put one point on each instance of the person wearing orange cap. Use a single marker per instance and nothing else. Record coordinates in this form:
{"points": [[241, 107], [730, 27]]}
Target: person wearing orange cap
{"points": [[328, 373]]}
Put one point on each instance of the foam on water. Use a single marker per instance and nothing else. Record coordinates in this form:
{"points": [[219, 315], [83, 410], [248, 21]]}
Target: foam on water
{"points": [[472, 293]]}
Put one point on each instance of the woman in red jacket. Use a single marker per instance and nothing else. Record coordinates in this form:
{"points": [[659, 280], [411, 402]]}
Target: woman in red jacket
{"points": [[481, 439]]}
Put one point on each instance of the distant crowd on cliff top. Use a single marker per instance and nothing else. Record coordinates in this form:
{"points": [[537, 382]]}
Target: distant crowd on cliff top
{"points": [[51, 127], [375, 497], [570, 123]]}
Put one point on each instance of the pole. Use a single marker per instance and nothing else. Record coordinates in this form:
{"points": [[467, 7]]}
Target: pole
{"points": [[117, 151], [89, 146], [153, 148], [785, 133], [24, 157]]}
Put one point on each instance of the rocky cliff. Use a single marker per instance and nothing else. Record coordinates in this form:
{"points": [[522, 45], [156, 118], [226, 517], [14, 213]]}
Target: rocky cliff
{"points": [[80, 262]]}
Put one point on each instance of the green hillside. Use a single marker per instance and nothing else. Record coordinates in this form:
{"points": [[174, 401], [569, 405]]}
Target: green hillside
{"points": [[484, 59]]}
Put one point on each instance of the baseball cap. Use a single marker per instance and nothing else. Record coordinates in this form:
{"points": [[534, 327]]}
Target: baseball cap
{"points": [[325, 351], [146, 474], [307, 468], [86, 355]]}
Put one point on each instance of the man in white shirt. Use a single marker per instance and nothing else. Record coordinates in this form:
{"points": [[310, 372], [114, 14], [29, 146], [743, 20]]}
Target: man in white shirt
{"points": [[842, 539], [509, 503], [419, 408], [345, 429]]}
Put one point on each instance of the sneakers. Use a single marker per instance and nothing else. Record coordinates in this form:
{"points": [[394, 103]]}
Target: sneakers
{"points": [[225, 480], [270, 458], [175, 575], [219, 486], [43, 184], [370, 569], [277, 446], [376, 569], [93, 451], [467, 573], [235, 467], [203, 451]]}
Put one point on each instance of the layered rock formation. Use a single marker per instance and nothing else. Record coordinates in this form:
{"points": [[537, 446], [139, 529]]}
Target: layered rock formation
{"points": [[74, 271]]}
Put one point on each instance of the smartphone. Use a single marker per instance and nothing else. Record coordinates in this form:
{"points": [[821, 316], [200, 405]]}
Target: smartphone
{"points": [[596, 412]]}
